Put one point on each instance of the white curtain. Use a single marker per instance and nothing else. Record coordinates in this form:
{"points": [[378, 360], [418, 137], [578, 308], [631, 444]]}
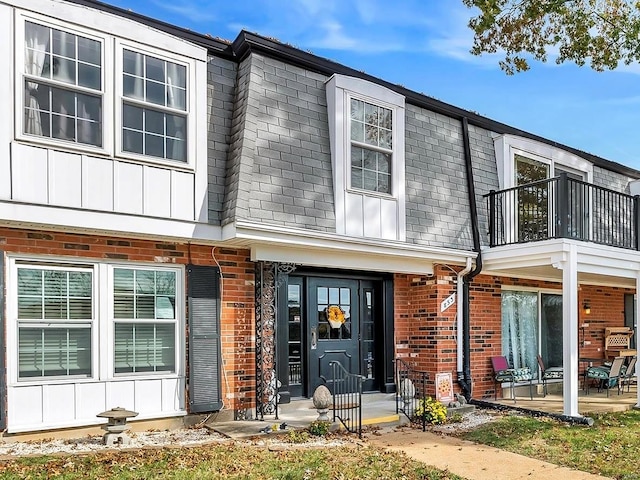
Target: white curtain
{"points": [[36, 41], [174, 100], [138, 90], [62, 73], [520, 329]]}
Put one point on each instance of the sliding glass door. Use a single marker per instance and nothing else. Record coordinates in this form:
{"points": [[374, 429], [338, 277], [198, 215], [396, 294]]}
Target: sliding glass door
{"points": [[531, 325]]}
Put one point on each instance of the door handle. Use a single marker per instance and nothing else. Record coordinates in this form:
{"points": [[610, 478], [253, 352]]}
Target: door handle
{"points": [[314, 338]]}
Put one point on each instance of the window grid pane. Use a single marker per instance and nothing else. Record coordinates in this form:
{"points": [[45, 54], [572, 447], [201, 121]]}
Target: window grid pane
{"points": [[53, 111], [54, 294], [144, 294], [144, 344], [371, 124], [154, 133], [371, 167], [370, 170], [144, 347], [54, 351], [155, 80]]}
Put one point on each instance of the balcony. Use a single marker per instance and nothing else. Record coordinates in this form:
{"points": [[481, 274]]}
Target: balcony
{"points": [[563, 207]]}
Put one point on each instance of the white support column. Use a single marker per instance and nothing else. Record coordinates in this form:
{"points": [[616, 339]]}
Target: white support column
{"points": [[635, 333], [570, 331]]}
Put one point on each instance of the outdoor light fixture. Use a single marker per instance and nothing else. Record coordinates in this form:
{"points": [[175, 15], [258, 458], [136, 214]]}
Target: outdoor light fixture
{"points": [[586, 307]]}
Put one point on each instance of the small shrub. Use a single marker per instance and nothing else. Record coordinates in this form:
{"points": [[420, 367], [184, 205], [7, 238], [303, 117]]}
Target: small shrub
{"points": [[433, 411], [319, 428], [298, 436], [455, 418]]}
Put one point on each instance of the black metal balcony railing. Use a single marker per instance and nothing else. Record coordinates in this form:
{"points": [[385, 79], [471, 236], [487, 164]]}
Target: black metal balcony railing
{"points": [[563, 207]]}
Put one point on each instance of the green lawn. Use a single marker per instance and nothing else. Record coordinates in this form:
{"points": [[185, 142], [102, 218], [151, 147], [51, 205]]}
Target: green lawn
{"points": [[611, 447], [227, 461]]}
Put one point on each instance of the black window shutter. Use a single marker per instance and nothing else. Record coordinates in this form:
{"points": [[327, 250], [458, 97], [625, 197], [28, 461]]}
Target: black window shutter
{"points": [[205, 361]]}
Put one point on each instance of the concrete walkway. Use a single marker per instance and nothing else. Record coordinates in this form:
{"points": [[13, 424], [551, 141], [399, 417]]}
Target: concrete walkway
{"points": [[470, 460], [466, 459]]}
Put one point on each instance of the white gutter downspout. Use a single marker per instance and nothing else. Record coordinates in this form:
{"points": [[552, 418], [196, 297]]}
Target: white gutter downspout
{"points": [[460, 292]]}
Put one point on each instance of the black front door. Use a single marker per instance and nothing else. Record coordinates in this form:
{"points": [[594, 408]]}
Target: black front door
{"points": [[334, 323]]}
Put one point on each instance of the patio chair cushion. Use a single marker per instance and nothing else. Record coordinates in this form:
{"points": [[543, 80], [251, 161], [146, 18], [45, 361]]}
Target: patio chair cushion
{"points": [[602, 373], [514, 375], [553, 373], [504, 375]]}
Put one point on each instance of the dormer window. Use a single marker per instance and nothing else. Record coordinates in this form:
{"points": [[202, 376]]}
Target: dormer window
{"points": [[366, 125], [371, 146]]}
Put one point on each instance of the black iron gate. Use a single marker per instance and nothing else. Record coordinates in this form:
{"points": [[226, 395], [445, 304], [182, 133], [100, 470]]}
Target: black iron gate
{"points": [[269, 275], [347, 398], [412, 387]]}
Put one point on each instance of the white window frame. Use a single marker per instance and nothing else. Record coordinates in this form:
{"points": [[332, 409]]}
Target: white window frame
{"points": [[112, 51], [340, 89], [189, 111], [20, 76], [179, 326], [507, 146], [102, 325], [14, 322], [348, 164]]}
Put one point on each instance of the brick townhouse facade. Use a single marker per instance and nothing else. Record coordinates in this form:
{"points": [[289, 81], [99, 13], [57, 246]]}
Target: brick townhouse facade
{"points": [[175, 236]]}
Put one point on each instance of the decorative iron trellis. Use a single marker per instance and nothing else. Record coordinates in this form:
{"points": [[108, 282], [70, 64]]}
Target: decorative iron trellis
{"points": [[269, 276]]}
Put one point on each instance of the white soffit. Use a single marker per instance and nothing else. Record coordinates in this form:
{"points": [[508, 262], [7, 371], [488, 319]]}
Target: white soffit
{"points": [[315, 257], [592, 259]]}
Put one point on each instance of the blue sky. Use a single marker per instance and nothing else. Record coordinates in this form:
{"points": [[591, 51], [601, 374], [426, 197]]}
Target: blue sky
{"points": [[424, 45]]}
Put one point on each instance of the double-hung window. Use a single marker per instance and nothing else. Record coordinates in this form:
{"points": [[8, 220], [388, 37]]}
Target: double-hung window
{"points": [[63, 85], [82, 88], [367, 138], [371, 146], [144, 309], [55, 315], [154, 106]]}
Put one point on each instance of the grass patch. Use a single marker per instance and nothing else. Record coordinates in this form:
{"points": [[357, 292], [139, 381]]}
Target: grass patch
{"points": [[226, 461], [607, 448]]}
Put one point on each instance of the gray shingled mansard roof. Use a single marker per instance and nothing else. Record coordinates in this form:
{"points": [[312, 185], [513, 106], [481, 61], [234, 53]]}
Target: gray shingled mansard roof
{"points": [[247, 43]]}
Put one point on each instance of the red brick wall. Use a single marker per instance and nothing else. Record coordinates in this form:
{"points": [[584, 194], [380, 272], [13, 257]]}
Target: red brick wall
{"points": [[426, 338], [607, 309], [237, 320]]}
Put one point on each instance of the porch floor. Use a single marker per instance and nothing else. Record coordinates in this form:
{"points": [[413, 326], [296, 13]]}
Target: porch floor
{"points": [[595, 402], [380, 409], [377, 409]]}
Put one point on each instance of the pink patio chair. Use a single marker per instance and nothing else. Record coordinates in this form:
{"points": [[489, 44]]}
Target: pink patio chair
{"points": [[503, 373]]}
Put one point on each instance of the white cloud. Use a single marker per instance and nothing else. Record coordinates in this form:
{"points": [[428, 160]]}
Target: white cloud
{"points": [[332, 36], [197, 13]]}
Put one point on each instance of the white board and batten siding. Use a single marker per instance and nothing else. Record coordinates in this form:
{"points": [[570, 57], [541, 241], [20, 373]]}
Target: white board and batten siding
{"points": [[35, 172], [370, 216], [51, 177], [42, 407]]}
